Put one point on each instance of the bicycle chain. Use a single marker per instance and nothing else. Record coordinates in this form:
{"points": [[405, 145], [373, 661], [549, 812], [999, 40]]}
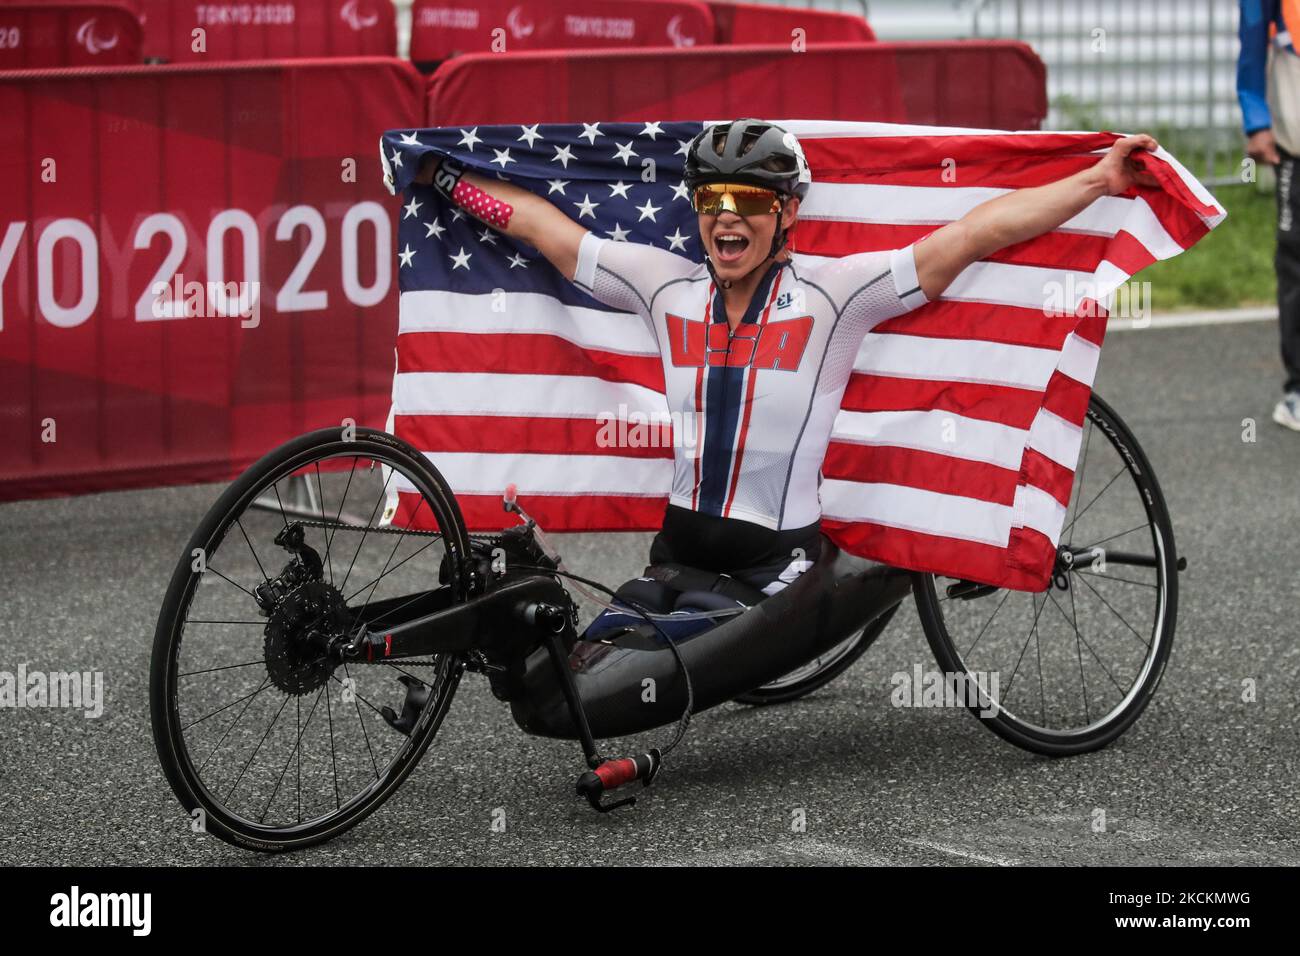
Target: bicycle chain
{"points": [[342, 526]]}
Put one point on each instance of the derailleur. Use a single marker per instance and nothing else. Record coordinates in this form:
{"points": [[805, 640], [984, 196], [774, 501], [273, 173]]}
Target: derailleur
{"points": [[304, 567]]}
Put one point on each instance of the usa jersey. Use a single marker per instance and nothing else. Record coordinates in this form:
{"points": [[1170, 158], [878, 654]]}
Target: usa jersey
{"points": [[762, 399]]}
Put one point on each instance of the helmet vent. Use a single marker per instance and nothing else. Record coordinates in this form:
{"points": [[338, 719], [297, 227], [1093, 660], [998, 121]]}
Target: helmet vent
{"points": [[751, 136]]}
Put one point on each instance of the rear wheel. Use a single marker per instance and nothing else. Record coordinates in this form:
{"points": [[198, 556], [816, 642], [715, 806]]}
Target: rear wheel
{"points": [[822, 670], [270, 741], [1069, 669]]}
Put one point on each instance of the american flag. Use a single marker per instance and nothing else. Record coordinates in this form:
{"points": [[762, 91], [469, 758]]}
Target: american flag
{"points": [[955, 445]]}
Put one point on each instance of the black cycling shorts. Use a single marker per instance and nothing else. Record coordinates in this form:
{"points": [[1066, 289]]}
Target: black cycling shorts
{"points": [[741, 549]]}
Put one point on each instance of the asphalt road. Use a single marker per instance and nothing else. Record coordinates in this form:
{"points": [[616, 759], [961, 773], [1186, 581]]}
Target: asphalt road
{"points": [[1203, 777]]}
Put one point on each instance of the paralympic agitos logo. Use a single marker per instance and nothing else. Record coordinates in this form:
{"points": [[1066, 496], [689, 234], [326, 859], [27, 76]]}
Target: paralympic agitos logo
{"points": [[776, 345], [94, 43]]}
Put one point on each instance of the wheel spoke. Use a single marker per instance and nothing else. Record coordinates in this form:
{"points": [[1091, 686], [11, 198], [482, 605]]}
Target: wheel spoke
{"points": [[1115, 577], [249, 623], [296, 752], [253, 756], [334, 760], [1092, 651], [235, 583], [356, 697], [1088, 547], [1145, 643], [374, 511], [387, 561], [1042, 694], [320, 493], [265, 681], [223, 667], [252, 551], [986, 625], [1078, 649], [1123, 470], [1037, 610], [193, 723], [376, 581], [1083, 475], [275, 486]]}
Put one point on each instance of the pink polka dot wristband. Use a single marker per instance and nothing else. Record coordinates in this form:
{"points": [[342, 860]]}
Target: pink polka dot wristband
{"points": [[474, 200]]}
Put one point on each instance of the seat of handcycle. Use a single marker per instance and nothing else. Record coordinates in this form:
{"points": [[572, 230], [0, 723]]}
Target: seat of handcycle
{"points": [[676, 594]]}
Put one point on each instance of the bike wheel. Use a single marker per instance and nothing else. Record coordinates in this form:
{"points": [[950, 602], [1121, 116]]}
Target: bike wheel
{"points": [[820, 671], [1083, 665], [267, 740]]}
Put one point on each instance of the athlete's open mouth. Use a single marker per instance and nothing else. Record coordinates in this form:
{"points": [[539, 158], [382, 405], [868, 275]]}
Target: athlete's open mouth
{"points": [[730, 246]]}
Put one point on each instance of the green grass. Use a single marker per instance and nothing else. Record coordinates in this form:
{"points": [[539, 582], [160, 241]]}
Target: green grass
{"points": [[1230, 268]]}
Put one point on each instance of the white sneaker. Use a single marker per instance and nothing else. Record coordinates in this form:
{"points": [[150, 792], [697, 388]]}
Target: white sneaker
{"points": [[1287, 411]]}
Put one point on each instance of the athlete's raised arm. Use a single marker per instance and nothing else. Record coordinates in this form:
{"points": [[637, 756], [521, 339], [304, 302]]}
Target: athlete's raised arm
{"points": [[510, 209], [1024, 214]]}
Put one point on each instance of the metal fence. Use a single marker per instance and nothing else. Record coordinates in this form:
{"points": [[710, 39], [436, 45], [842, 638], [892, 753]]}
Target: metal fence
{"points": [[1167, 67]]}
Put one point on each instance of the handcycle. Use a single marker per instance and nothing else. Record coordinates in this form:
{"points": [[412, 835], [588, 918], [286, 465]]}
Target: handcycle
{"points": [[296, 683]]}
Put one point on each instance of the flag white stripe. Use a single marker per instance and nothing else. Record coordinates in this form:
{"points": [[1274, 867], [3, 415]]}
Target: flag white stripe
{"points": [[1079, 359], [895, 205], [835, 129], [917, 509], [1038, 510], [476, 473], [1056, 438], [955, 360], [525, 312], [543, 396], [943, 433]]}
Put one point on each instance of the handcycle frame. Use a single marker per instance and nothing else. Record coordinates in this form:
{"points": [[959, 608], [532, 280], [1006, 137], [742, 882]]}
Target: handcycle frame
{"points": [[519, 627]]}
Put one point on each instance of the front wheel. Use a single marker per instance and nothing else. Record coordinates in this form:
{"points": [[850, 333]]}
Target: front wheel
{"points": [[268, 739], [1068, 670]]}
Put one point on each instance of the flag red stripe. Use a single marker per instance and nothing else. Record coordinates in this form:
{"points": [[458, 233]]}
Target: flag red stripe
{"points": [[1024, 565], [1009, 325], [524, 353], [556, 512], [993, 403], [842, 157], [1041, 472], [926, 470]]}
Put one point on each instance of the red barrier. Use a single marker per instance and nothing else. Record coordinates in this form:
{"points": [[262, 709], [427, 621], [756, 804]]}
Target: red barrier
{"points": [[443, 28], [750, 23], [122, 182], [997, 84], [266, 29], [36, 36]]}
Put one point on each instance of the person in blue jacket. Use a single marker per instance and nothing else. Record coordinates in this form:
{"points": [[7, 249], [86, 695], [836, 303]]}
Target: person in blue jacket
{"points": [[1268, 87]]}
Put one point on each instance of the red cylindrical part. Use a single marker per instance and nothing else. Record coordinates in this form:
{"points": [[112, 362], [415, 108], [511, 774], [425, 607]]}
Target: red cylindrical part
{"points": [[615, 773]]}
